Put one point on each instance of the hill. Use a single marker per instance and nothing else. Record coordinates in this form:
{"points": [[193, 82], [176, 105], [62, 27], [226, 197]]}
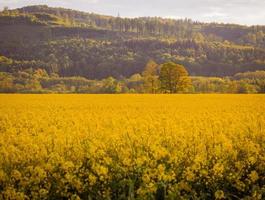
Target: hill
{"points": [[73, 43]]}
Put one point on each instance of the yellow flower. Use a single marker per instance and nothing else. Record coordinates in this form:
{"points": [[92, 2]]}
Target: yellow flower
{"points": [[146, 178], [253, 176], [218, 169], [189, 175], [16, 175], [219, 194]]}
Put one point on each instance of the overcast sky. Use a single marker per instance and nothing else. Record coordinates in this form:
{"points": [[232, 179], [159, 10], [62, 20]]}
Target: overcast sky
{"points": [[250, 12]]}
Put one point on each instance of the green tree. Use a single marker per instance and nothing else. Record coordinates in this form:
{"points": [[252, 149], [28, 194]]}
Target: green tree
{"points": [[65, 65], [261, 86], [6, 10], [6, 82], [150, 77], [33, 85], [135, 83], [174, 78], [110, 85], [245, 88], [53, 63]]}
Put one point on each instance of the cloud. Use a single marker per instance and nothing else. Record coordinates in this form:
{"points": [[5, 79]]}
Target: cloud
{"points": [[215, 14], [173, 17]]}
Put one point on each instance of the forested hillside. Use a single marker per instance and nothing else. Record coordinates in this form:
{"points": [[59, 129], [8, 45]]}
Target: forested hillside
{"points": [[73, 43]]}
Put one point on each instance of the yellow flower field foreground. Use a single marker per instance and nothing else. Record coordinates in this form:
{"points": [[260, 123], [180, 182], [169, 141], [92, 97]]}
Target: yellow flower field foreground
{"points": [[132, 147]]}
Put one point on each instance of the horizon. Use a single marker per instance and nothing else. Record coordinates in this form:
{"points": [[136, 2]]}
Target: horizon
{"points": [[205, 14]]}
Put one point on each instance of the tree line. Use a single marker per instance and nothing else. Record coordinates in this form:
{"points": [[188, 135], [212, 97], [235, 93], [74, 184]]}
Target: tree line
{"points": [[181, 28], [97, 59], [156, 78]]}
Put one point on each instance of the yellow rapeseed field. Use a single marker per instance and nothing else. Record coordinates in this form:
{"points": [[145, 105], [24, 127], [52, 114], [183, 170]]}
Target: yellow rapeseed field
{"points": [[132, 147]]}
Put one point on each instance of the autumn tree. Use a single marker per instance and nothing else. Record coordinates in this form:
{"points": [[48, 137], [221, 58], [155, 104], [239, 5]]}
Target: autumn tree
{"points": [[150, 77], [174, 78]]}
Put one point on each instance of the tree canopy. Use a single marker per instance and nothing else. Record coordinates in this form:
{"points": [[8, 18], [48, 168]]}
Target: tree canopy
{"points": [[174, 78]]}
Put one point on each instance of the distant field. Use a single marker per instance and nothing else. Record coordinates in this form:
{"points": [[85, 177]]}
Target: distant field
{"points": [[132, 146]]}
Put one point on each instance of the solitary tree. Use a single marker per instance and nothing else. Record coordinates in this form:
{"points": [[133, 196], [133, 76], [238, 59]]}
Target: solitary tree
{"points": [[174, 78]]}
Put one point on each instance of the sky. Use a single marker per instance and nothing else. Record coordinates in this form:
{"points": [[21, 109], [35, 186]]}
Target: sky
{"points": [[246, 12]]}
